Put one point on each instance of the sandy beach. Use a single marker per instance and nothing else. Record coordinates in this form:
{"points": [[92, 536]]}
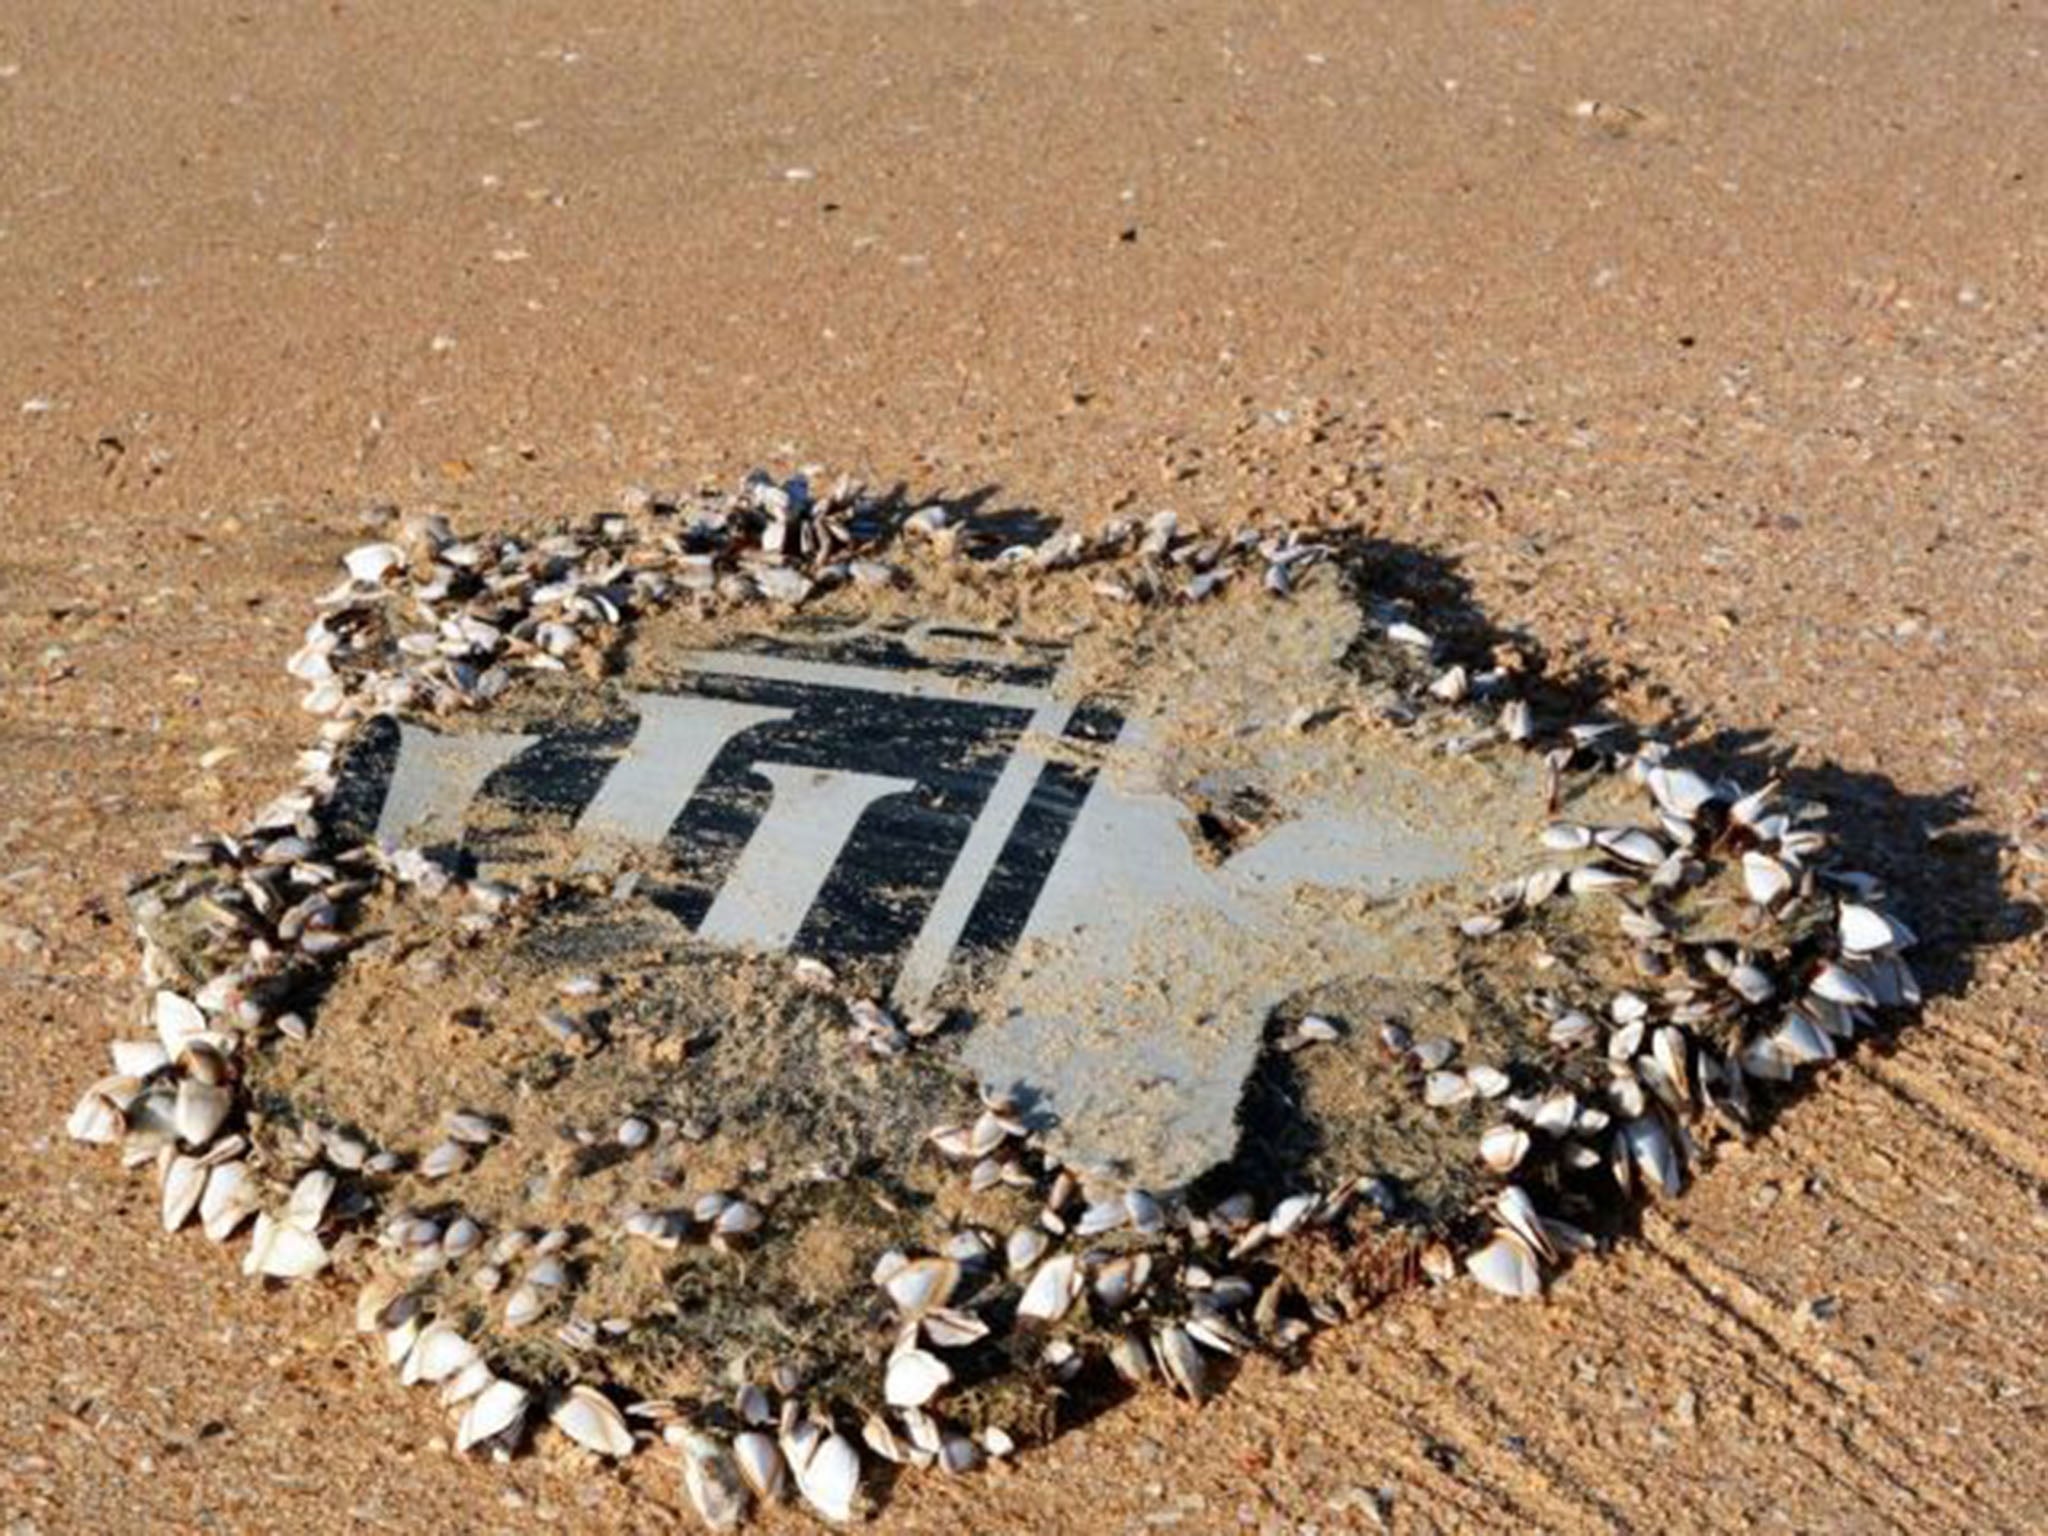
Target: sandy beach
{"points": [[1708, 340]]}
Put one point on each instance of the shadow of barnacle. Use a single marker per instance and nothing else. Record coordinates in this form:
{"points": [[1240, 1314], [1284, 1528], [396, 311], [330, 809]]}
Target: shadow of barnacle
{"points": [[986, 525], [1314, 1116], [1944, 871], [1329, 1115], [1392, 582]]}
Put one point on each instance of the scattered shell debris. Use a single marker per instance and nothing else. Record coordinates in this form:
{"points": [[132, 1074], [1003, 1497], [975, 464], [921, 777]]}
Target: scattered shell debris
{"points": [[591, 1229]]}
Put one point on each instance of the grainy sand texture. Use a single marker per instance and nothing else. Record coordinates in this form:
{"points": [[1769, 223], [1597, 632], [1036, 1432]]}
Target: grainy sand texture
{"points": [[1707, 339]]}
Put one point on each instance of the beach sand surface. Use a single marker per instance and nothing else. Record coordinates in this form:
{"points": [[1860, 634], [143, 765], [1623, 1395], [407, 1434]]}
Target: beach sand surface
{"points": [[1709, 338]]}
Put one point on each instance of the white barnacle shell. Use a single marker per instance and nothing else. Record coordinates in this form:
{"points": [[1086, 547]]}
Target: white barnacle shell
{"points": [[828, 1476], [1671, 1051], [1751, 982], [467, 1382], [1640, 924], [1761, 1058], [1592, 879], [1143, 1208], [710, 1205], [1764, 878], [952, 1140], [308, 1201], [1432, 1051], [494, 1413], [230, 1200], [201, 1110], [96, 1119], [1655, 1155], [591, 1419], [1488, 1082], [760, 1464], [1542, 885], [1130, 1357], [1633, 845], [881, 1438], [437, 1354], [921, 1284], [738, 1220], [1215, 1331], [1518, 1213], [184, 1181], [1180, 1361], [281, 1251], [1452, 684], [1556, 1112], [952, 1328], [446, 1158], [1102, 1216], [1625, 1091], [139, 1058], [1567, 837], [1024, 1247], [1681, 791], [1440, 1089], [914, 1377], [1503, 1147], [1572, 1029], [988, 1132], [371, 563], [1053, 1288], [400, 1337], [524, 1305], [471, 1128], [1290, 1213], [970, 1246], [1838, 984], [1506, 1266], [1628, 1009], [1799, 1041], [1865, 930], [178, 1019], [753, 1405], [1123, 1279]]}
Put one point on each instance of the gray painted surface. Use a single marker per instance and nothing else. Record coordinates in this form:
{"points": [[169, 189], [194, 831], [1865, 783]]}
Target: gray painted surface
{"points": [[811, 815], [1133, 1007], [436, 778], [678, 739]]}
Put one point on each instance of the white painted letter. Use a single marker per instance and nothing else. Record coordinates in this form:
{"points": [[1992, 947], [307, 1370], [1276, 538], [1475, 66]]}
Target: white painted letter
{"points": [[679, 738], [809, 821]]}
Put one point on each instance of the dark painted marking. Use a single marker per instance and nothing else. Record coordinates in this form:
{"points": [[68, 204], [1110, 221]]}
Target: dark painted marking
{"points": [[882, 887], [1021, 869], [550, 784], [892, 649], [362, 779]]}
